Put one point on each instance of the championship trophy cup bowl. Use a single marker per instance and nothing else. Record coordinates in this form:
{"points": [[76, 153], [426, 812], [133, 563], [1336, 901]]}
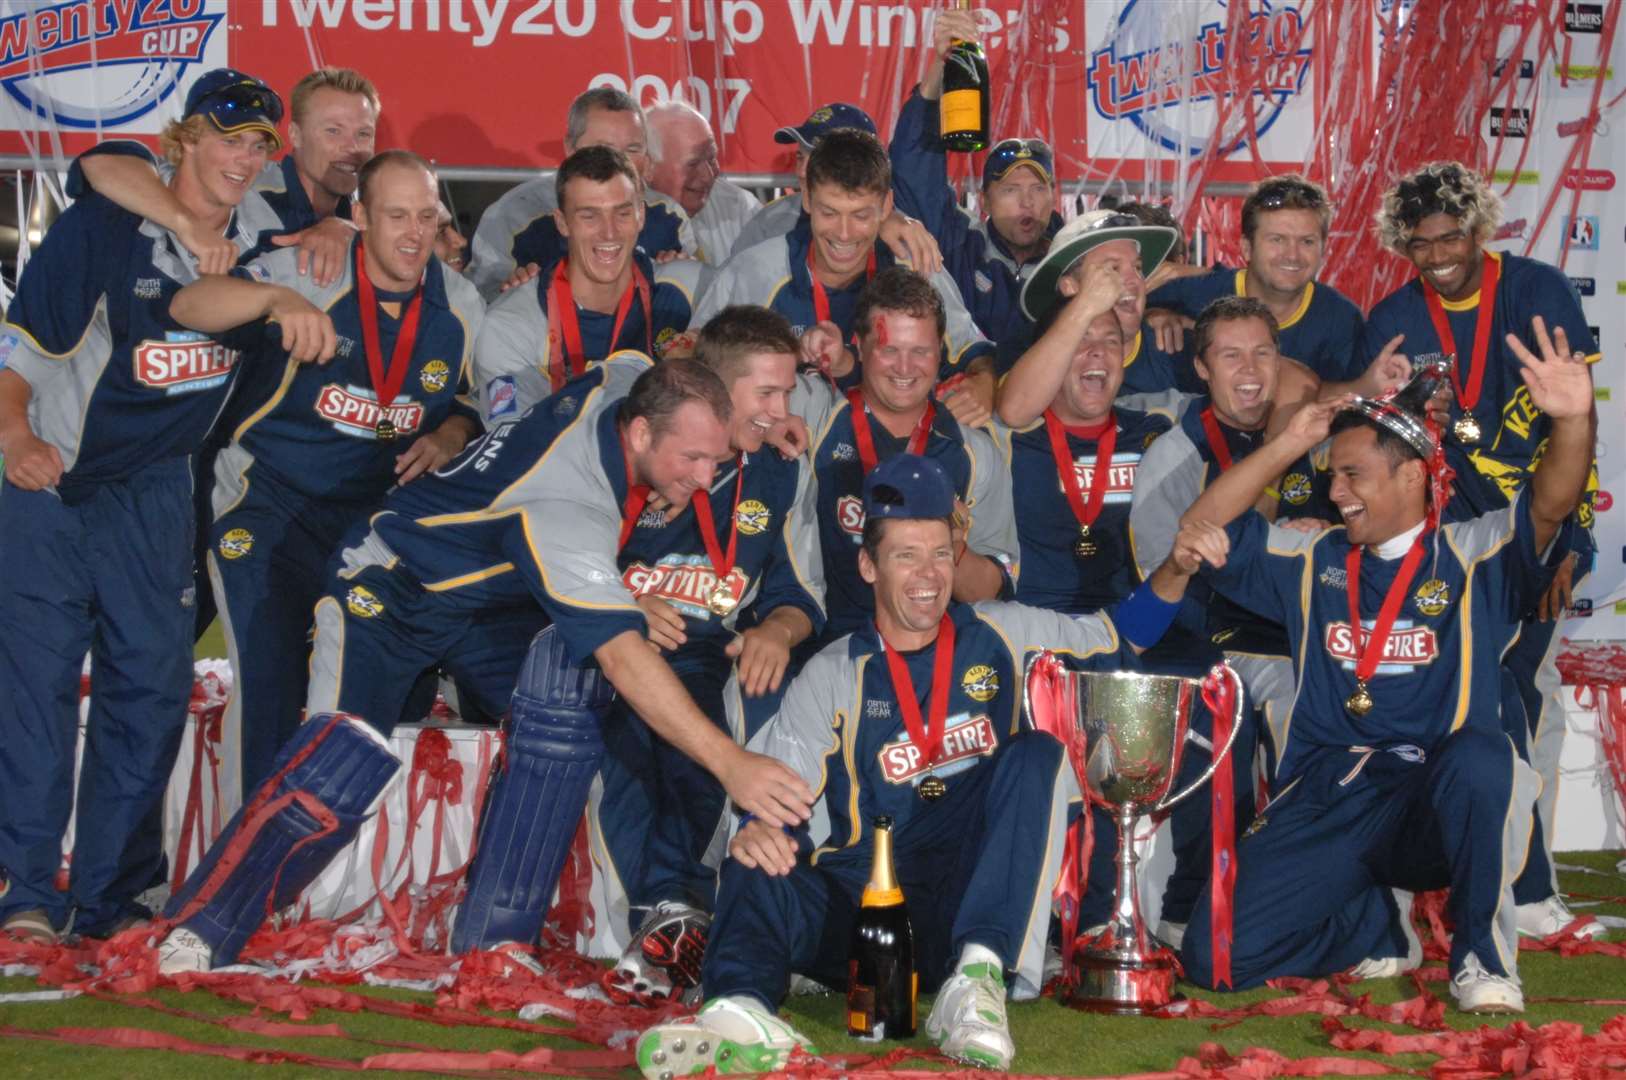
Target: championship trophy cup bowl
{"points": [[1131, 730]]}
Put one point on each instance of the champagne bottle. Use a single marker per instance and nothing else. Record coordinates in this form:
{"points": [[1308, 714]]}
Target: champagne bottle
{"points": [[881, 980], [963, 108]]}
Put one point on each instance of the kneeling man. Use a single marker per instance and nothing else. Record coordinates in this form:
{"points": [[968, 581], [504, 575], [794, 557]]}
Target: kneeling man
{"points": [[1395, 772], [916, 715]]}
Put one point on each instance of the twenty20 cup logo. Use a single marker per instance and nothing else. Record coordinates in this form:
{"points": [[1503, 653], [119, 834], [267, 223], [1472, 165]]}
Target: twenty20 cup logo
{"points": [[89, 62], [1148, 76]]}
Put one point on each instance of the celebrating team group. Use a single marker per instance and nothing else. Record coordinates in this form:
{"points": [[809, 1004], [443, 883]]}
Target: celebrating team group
{"points": [[746, 522]]}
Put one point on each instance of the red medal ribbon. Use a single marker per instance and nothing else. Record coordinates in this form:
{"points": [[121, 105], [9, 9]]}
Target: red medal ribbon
{"points": [[387, 382], [566, 358], [821, 299], [1216, 439], [723, 564], [928, 739], [632, 507], [1085, 511], [866, 442], [1467, 396], [1367, 657]]}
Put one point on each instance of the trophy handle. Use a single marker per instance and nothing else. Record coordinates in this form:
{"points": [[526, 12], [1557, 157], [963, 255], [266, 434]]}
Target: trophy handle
{"points": [[1222, 670]]}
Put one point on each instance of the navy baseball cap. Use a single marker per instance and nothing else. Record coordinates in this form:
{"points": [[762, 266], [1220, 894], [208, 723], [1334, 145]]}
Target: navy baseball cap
{"points": [[822, 121], [234, 101], [908, 486], [1009, 154]]}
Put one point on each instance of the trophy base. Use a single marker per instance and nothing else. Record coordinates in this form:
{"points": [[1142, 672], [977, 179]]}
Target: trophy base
{"points": [[1110, 984]]}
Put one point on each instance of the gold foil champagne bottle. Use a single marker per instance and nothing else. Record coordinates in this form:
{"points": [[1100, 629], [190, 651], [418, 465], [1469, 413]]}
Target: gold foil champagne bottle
{"points": [[881, 980], [964, 107]]}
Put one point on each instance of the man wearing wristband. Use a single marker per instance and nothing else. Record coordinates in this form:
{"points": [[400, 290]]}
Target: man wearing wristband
{"points": [[918, 714], [1396, 773]]}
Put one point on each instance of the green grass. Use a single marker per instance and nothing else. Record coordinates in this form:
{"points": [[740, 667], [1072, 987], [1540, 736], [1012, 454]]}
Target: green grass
{"points": [[1050, 1038]]}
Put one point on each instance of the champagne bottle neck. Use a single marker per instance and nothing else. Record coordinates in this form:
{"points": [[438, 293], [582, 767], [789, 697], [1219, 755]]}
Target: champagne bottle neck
{"points": [[883, 889]]}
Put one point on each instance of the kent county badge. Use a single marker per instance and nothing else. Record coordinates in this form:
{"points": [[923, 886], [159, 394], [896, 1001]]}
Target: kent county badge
{"points": [[362, 603], [236, 543], [751, 518], [1432, 596], [980, 682], [1296, 488], [434, 376]]}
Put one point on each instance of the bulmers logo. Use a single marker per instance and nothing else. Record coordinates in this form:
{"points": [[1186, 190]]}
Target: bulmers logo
{"points": [[1511, 123], [1142, 71], [108, 63], [1583, 18]]}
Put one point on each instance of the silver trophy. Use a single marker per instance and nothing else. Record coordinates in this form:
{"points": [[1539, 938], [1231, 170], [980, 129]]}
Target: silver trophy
{"points": [[1132, 730]]}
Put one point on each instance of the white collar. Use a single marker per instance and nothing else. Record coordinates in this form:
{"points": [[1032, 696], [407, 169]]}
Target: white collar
{"points": [[1396, 546]]}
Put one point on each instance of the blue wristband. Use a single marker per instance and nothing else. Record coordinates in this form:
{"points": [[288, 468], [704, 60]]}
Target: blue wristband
{"points": [[1144, 617], [747, 818]]}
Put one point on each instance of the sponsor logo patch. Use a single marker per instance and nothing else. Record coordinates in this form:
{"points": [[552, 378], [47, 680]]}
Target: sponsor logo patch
{"points": [[236, 543], [752, 517], [354, 410], [1335, 577], [982, 281], [1410, 646], [843, 452], [434, 376], [1513, 123], [966, 739], [1432, 597], [148, 288], [684, 581], [850, 516], [980, 683], [1120, 476], [361, 603], [877, 710], [1583, 18], [501, 397], [183, 363]]}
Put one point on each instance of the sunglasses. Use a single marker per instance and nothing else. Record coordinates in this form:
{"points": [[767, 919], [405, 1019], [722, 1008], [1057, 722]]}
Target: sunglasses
{"points": [[245, 100], [1009, 151], [1294, 195]]}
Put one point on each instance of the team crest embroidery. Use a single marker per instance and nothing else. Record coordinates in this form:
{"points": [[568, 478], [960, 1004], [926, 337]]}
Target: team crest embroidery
{"points": [[980, 683], [565, 406], [1433, 596], [236, 543], [1296, 488], [434, 376], [663, 342], [821, 115], [1146, 444], [362, 603], [752, 517]]}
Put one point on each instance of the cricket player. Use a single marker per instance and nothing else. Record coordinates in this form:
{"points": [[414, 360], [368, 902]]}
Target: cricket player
{"points": [[1396, 772], [917, 716]]}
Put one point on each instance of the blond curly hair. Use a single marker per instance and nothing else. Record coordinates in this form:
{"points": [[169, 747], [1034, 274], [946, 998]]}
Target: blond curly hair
{"points": [[1440, 187]]}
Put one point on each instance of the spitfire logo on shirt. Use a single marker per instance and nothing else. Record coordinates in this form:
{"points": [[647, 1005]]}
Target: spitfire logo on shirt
{"points": [[183, 363], [1408, 646], [850, 516], [1120, 476], [354, 410], [967, 738], [684, 581]]}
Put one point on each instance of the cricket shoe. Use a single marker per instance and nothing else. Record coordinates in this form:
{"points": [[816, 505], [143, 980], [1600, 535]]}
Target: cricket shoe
{"points": [[1544, 918], [1478, 991], [664, 956], [968, 1019], [183, 951], [730, 1034]]}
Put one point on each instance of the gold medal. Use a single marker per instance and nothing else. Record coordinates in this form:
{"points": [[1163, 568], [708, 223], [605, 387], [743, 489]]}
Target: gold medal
{"points": [[1084, 548], [1466, 429], [1360, 702], [722, 600], [385, 429], [932, 788]]}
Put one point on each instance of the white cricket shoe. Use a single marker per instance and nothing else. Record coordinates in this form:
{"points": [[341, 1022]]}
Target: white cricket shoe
{"points": [[968, 1019], [1478, 991], [184, 951], [1544, 918], [730, 1034]]}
